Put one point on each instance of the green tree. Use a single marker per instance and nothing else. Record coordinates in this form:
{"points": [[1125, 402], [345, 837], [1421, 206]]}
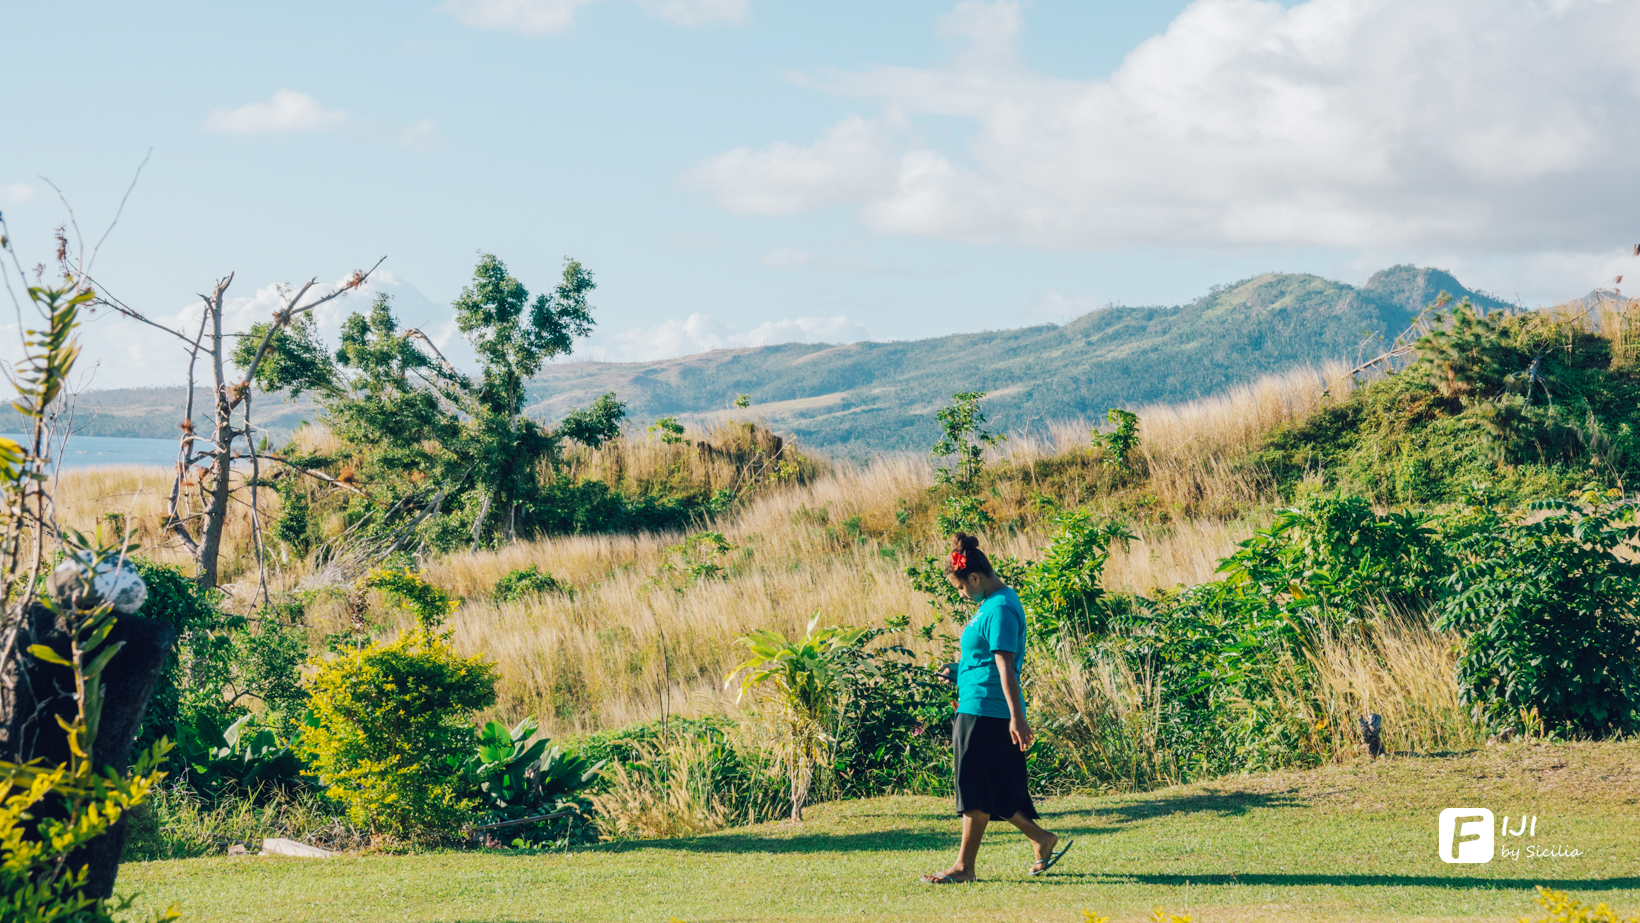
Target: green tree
{"points": [[405, 412]]}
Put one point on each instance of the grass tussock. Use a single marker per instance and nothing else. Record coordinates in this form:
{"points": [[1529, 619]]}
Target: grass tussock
{"points": [[177, 824]]}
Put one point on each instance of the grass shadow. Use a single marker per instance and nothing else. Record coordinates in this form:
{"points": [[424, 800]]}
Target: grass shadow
{"points": [[1228, 804], [875, 841], [1356, 881]]}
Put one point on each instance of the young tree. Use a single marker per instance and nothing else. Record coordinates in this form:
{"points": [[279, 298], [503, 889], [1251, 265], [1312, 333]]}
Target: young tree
{"points": [[403, 409]]}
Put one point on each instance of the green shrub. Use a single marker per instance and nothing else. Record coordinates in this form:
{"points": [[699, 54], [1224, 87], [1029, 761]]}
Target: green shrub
{"points": [[235, 760], [1562, 907], [199, 665], [528, 581], [1551, 615], [389, 730], [893, 723], [515, 777], [1061, 593], [429, 604]]}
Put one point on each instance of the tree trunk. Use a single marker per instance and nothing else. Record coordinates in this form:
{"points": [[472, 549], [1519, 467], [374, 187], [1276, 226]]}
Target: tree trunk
{"points": [[35, 694], [478, 521], [216, 512]]}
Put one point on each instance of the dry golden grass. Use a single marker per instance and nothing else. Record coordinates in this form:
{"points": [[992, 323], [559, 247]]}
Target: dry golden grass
{"points": [[134, 497], [1402, 670], [729, 455], [834, 540]]}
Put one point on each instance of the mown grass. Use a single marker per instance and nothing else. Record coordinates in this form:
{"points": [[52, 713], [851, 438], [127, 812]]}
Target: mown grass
{"points": [[1355, 841]]}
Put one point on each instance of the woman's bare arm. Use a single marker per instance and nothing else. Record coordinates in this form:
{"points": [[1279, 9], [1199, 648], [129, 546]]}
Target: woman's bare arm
{"points": [[1018, 729]]}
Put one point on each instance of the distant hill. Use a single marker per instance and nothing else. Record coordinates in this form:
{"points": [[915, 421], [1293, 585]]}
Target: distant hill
{"points": [[863, 398], [866, 397]]}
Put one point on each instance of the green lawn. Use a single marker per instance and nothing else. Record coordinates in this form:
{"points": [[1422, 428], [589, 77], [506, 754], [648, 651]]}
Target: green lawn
{"points": [[1350, 842]]}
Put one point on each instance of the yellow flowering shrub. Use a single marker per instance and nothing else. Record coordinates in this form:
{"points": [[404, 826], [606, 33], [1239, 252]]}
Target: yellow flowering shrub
{"points": [[1562, 907], [389, 729]]}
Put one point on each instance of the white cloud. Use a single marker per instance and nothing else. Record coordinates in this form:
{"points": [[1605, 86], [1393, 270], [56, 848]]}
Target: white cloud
{"points": [[529, 17], [700, 333], [539, 18], [698, 12], [787, 258], [419, 134], [288, 110], [854, 161], [16, 193], [1468, 125]]}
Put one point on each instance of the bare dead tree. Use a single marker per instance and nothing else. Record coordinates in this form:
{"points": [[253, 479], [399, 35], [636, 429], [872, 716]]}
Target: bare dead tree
{"points": [[202, 491]]}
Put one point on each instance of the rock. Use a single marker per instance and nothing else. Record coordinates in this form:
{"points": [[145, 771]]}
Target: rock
{"points": [[237, 849], [116, 582], [278, 846]]}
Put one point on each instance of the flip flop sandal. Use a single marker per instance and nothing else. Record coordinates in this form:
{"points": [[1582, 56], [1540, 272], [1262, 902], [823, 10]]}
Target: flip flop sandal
{"points": [[945, 880], [1051, 861]]}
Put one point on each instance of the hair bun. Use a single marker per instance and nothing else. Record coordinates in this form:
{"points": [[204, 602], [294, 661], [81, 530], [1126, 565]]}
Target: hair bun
{"points": [[965, 542]]}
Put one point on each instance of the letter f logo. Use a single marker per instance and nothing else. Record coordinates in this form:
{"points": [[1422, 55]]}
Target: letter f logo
{"points": [[1470, 841]]}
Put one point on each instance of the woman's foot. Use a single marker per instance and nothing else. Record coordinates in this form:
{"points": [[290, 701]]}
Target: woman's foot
{"points": [[1044, 851], [951, 876]]}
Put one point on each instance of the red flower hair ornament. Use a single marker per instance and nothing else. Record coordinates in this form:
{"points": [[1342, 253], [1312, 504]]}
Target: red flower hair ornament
{"points": [[959, 561]]}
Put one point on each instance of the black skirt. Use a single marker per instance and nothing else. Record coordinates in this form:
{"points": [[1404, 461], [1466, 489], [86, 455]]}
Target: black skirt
{"points": [[990, 768]]}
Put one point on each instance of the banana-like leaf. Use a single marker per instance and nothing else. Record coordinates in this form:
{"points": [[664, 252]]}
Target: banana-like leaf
{"points": [[48, 655]]}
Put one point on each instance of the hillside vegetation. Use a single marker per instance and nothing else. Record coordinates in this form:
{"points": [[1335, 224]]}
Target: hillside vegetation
{"points": [[1219, 586]]}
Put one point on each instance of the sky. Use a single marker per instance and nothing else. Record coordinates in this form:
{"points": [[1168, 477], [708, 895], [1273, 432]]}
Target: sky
{"points": [[744, 172]]}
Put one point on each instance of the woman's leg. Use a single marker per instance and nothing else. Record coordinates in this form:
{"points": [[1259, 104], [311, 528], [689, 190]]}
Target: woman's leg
{"points": [[1041, 840], [973, 830]]}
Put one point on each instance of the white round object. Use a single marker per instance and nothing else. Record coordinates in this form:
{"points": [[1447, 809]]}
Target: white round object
{"points": [[116, 582]]}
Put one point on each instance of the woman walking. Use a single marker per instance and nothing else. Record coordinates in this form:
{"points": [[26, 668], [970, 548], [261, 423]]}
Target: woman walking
{"points": [[989, 733]]}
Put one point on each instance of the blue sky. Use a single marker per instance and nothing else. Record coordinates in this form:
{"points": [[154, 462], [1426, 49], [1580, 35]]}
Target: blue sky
{"points": [[745, 171]]}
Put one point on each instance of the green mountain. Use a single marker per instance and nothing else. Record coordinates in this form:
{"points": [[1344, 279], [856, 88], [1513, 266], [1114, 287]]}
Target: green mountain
{"points": [[867, 397], [863, 398]]}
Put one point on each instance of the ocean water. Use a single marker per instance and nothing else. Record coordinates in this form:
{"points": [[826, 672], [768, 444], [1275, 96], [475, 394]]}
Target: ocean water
{"points": [[100, 451]]}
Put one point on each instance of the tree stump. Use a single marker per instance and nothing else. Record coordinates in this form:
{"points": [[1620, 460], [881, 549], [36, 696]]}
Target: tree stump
{"points": [[33, 694]]}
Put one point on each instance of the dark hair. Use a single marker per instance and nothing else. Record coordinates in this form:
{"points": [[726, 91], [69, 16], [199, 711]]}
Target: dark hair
{"points": [[974, 560]]}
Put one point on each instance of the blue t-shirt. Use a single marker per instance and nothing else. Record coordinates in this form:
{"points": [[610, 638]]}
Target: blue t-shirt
{"points": [[999, 625]]}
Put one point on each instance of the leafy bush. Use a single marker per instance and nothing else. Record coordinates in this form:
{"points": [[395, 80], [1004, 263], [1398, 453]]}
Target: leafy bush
{"points": [[199, 664], [390, 729], [221, 662], [429, 604], [1121, 441], [528, 581], [1551, 615], [698, 557], [893, 723], [1562, 907], [235, 760], [1330, 558], [520, 779], [1061, 593]]}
